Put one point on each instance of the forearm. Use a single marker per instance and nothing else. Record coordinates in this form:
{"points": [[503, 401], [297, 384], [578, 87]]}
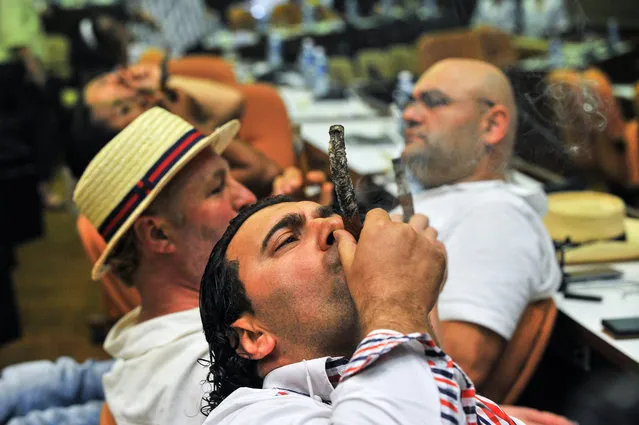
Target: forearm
{"points": [[475, 348], [251, 168], [44, 384]]}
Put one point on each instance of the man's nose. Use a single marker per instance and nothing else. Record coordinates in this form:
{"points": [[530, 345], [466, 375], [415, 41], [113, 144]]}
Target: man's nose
{"points": [[324, 228], [411, 114], [240, 195]]}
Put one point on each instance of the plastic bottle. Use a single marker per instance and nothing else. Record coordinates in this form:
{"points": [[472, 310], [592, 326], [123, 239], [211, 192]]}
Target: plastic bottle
{"points": [[401, 96], [306, 62], [404, 88], [556, 53], [352, 11], [274, 49], [613, 32], [322, 81], [308, 18]]}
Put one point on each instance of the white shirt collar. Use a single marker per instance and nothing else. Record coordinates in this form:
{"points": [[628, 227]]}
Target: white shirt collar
{"points": [[129, 339], [307, 377]]}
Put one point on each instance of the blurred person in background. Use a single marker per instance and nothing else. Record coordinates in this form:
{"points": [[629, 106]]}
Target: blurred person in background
{"points": [[460, 132], [116, 99], [161, 249], [532, 18], [24, 151]]}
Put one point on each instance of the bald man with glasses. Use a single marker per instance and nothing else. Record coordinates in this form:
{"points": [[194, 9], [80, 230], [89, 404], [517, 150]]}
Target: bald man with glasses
{"points": [[460, 131]]}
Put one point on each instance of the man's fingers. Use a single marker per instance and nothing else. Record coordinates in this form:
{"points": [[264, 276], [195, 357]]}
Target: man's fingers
{"points": [[315, 177], [376, 214], [418, 222], [326, 194], [431, 234], [397, 218], [346, 247]]}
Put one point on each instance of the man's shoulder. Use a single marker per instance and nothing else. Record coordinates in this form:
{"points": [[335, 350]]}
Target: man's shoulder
{"points": [[265, 406], [490, 204]]}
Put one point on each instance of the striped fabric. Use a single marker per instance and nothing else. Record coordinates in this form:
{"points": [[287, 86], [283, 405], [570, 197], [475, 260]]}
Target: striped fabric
{"points": [[183, 23], [142, 188], [456, 391]]}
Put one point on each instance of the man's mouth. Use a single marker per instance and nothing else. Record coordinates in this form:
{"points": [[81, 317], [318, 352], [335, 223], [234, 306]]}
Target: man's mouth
{"points": [[411, 136]]}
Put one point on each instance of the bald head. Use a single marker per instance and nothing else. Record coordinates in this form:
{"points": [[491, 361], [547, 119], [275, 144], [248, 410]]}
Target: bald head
{"points": [[471, 77]]}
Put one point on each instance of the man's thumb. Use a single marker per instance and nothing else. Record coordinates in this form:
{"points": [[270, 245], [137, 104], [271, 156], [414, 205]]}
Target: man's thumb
{"points": [[346, 247]]}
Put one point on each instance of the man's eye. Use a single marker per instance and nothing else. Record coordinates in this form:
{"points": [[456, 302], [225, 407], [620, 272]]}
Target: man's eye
{"points": [[287, 241], [433, 101], [219, 188]]}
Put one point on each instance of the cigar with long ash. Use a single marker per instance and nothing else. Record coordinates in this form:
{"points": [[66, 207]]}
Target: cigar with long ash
{"points": [[342, 181], [403, 192]]}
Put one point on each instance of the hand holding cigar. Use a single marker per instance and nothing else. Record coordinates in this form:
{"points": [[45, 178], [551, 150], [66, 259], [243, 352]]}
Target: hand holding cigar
{"points": [[342, 181]]}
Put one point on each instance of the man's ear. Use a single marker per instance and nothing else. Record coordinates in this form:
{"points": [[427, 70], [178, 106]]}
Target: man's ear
{"points": [[255, 341], [153, 233], [494, 125]]}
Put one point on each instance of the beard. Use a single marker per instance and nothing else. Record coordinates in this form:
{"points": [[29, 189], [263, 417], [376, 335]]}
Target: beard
{"points": [[438, 163]]}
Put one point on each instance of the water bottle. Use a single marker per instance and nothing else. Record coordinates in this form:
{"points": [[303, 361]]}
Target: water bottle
{"points": [[404, 89], [274, 49], [556, 53], [308, 11], [306, 62], [401, 96], [322, 82], [613, 33], [352, 12]]}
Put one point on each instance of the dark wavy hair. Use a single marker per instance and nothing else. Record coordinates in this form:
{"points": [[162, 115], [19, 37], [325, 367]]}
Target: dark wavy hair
{"points": [[222, 301]]}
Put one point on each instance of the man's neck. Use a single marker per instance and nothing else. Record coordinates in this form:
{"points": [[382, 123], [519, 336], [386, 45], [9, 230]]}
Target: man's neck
{"points": [[163, 292]]}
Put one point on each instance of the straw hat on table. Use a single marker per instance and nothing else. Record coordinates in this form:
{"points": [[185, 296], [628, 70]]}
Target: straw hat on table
{"points": [[130, 171], [596, 222]]}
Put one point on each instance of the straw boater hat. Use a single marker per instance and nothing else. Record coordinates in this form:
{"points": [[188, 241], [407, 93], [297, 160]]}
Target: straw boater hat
{"points": [[129, 172], [596, 222]]}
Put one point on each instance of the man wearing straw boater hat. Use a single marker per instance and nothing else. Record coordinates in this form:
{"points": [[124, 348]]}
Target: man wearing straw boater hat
{"points": [[461, 128], [161, 195]]}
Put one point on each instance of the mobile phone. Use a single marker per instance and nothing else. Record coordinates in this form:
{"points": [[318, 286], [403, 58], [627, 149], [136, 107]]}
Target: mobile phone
{"points": [[622, 327], [593, 273]]}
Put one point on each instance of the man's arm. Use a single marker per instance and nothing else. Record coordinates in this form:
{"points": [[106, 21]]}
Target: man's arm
{"points": [[41, 385], [493, 265], [474, 347], [251, 168]]}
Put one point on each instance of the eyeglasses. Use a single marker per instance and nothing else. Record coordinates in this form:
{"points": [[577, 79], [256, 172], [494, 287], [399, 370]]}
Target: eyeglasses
{"points": [[432, 99]]}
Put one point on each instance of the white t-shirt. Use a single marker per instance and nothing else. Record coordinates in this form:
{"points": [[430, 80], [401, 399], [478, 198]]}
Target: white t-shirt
{"points": [[156, 378], [500, 257]]}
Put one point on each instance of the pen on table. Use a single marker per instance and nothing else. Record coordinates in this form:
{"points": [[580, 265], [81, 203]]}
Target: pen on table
{"points": [[583, 297]]}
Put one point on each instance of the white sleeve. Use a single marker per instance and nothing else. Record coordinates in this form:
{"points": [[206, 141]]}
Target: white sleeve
{"points": [[398, 390], [494, 262]]}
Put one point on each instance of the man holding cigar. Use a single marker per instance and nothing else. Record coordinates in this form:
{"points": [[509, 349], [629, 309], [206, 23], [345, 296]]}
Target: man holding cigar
{"points": [[288, 296], [461, 127]]}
